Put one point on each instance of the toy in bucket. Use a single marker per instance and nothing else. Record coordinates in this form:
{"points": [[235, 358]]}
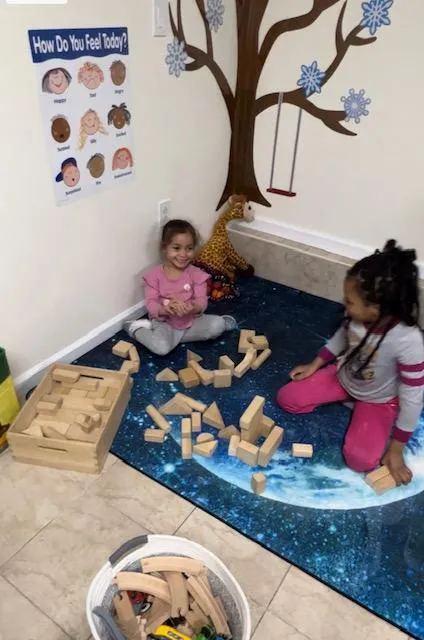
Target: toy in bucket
{"points": [[166, 588], [9, 405]]}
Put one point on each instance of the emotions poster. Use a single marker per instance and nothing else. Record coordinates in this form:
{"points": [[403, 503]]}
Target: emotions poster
{"points": [[82, 77]]}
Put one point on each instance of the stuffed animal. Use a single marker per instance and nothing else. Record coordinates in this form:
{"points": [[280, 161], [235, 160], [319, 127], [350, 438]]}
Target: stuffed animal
{"points": [[218, 256]]}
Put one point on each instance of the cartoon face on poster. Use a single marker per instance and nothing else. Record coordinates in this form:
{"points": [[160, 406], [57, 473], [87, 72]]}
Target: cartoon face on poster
{"points": [[83, 84]]}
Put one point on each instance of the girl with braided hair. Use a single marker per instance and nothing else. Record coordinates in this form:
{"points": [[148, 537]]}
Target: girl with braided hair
{"points": [[376, 359]]}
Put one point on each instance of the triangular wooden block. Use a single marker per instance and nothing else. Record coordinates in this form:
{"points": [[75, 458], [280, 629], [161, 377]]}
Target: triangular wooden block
{"points": [[193, 356], [213, 417], [175, 408], [167, 375], [207, 449], [228, 432]]}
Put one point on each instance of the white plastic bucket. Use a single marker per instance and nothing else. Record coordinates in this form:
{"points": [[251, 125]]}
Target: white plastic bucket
{"points": [[101, 592]]}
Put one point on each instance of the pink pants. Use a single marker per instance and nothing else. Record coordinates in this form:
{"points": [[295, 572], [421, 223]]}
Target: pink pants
{"points": [[371, 424]]}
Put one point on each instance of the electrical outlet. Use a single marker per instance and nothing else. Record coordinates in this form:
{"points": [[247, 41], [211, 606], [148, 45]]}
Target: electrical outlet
{"points": [[164, 212]]}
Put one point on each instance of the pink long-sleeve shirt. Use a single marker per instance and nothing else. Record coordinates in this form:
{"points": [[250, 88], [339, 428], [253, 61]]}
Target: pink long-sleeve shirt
{"points": [[191, 286]]}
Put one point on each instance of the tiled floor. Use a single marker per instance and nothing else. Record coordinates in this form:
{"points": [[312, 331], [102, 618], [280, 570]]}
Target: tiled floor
{"points": [[57, 528]]}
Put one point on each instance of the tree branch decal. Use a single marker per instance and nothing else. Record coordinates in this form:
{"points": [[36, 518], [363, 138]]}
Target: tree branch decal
{"points": [[243, 105]]}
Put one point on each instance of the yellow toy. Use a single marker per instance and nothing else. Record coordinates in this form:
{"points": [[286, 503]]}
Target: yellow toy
{"points": [[168, 633]]}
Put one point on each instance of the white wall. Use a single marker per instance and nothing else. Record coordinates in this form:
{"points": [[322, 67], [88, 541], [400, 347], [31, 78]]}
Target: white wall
{"points": [[365, 188], [65, 270]]}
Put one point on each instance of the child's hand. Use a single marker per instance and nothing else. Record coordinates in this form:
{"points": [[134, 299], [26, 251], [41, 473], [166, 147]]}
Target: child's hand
{"points": [[304, 371], [179, 308], [395, 462]]}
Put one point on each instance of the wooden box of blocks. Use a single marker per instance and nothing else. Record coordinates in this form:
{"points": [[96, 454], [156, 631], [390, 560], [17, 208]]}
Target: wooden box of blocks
{"points": [[71, 418]]}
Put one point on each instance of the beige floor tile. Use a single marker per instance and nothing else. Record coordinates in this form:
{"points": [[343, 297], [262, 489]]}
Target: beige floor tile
{"points": [[258, 571], [32, 496], [323, 614], [273, 628], [55, 569], [20, 620], [143, 500]]}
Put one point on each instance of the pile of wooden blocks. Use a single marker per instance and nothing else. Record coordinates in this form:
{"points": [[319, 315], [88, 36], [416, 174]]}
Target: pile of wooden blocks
{"points": [[195, 374], [125, 349], [179, 594]]}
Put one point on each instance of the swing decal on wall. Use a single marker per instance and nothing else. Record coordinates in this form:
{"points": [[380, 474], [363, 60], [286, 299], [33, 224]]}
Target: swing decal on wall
{"points": [[244, 105]]}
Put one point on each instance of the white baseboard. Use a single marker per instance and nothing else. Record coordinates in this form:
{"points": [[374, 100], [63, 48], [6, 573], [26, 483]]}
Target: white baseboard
{"points": [[332, 244], [32, 377]]}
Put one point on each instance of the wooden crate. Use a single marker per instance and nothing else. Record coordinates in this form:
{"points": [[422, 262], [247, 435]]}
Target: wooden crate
{"points": [[88, 457]]}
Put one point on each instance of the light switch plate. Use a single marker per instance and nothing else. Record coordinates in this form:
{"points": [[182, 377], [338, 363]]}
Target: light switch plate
{"points": [[160, 18]]}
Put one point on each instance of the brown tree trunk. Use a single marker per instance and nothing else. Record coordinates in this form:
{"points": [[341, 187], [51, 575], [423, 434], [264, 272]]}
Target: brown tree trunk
{"points": [[241, 176]]}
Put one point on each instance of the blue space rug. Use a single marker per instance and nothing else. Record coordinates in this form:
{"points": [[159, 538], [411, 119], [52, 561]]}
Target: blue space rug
{"points": [[316, 514]]}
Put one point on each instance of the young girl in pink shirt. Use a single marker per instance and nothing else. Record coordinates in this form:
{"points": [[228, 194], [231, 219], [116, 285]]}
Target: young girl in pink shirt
{"points": [[176, 296]]}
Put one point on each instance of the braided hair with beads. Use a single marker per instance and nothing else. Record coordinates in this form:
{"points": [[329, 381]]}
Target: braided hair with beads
{"points": [[388, 279]]}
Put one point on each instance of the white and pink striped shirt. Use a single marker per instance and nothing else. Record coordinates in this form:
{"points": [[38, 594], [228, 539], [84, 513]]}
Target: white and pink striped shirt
{"points": [[395, 371]]}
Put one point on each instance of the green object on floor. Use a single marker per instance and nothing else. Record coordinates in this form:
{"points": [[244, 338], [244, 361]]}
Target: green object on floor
{"points": [[9, 404]]}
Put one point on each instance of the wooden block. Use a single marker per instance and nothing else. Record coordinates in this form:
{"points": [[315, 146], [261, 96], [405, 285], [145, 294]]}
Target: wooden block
{"points": [[245, 364], [204, 437], [213, 417], [45, 407], [122, 349], [59, 426], [258, 483], [270, 446], [133, 354], [186, 428], [258, 362], [65, 375], [247, 453], [75, 432], [186, 449], [376, 475], [205, 375], [222, 378], [251, 420], [384, 484], [228, 433], [129, 366], [267, 425], [244, 344], [53, 400], [191, 402], [50, 432], [232, 447], [226, 363], [207, 449], [167, 375], [158, 418], [99, 393], [175, 407], [154, 435], [302, 450], [259, 342], [85, 421], [188, 378], [196, 422], [87, 384], [102, 404], [78, 393], [193, 357], [34, 430]]}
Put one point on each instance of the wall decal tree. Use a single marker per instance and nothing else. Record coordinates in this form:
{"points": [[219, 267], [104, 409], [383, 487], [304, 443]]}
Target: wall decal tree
{"points": [[243, 105]]}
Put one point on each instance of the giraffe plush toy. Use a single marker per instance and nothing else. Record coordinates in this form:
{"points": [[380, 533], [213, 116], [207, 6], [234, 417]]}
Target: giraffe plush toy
{"points": [[218, 256]]}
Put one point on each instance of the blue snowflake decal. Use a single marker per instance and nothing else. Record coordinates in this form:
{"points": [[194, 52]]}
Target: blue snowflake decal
{"points": [[311, 78], [375, 14], [215, 14], [176, 58], [355, 105]]}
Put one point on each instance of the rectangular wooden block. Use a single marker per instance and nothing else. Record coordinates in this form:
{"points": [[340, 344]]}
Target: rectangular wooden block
{"points": [[191, 402], [186, 449], [45, 407], [122, 349], [270, 446], [154, 435], [158, 418], [259, 361], [102, 404], [258, 483], [188, 378], [377, 474], [251, 420], [244, 344], [130, 366], [384, 484], [206, 376], [65, 375], [196, 422], [133, 354], [267, 426], [186, 428], [300, 450], [247, 453], [259, 342], [245, 364], [226, 363], [222, 378], [53, 400], [232, 447]]}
